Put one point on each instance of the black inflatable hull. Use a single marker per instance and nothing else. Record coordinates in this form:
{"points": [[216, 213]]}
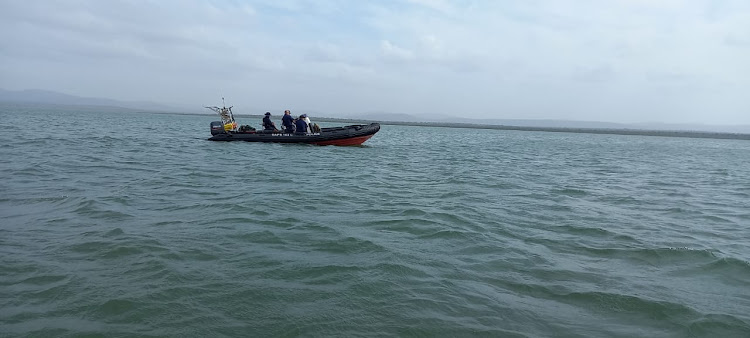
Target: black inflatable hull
{"points": [[339, 136]]}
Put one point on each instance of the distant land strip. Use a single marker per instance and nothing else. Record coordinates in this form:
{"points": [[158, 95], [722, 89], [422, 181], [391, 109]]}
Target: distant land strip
{"points": [[643, 132], [612, 131]]}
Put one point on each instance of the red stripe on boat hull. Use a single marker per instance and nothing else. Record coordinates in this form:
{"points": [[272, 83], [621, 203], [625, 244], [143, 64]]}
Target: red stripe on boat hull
{"points": [[352, 141]]}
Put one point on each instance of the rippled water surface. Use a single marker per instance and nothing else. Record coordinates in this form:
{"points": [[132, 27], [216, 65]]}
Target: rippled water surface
{"points": [[124, 224]]}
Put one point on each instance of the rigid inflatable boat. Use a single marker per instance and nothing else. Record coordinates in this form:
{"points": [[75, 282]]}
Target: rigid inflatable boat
{"points": [[228, 130]]}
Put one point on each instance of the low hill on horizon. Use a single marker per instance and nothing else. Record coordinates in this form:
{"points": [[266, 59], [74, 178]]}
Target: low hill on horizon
{"points": [[52, 97]]}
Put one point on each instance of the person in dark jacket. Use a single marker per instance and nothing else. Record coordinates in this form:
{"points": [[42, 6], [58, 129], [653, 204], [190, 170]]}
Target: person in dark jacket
{"points": [[301, 125], [288, 122], [267, 123]]}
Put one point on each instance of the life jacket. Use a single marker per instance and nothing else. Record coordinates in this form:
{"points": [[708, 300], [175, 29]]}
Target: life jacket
{"points": [[268, 124], [301, 126]]}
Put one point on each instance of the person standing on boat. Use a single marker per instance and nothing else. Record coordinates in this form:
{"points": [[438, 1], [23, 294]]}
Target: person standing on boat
{"points": [[267, 123], [287, 121], [302, 126]]}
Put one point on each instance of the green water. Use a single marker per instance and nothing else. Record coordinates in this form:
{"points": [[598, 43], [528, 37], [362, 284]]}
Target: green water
{"points": [[132, 224]]}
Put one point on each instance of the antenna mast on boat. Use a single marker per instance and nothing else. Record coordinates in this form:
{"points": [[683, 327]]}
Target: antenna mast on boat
{"points": [[227, 117]]}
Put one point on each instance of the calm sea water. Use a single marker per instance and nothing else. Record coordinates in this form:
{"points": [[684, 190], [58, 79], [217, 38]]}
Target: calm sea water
{"points": [[125, 224]]}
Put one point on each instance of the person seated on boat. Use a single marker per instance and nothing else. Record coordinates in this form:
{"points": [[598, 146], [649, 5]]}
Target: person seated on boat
{"points": [[268, 124], [302, 126], [287, 121]]}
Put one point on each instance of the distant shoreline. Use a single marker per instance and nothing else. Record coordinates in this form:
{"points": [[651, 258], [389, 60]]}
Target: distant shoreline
{"points": [[610, 131], [639, 132]]}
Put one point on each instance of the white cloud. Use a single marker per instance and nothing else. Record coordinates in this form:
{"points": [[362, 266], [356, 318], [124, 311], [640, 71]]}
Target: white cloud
{"points": [[391, 51], [437, 5]]}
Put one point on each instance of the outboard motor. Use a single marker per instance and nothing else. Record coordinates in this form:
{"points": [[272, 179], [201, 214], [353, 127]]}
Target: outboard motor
{"points": [[217, 128]]}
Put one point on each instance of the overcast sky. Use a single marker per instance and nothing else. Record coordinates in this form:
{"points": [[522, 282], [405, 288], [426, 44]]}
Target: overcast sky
{"points": [[597, 60]]}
